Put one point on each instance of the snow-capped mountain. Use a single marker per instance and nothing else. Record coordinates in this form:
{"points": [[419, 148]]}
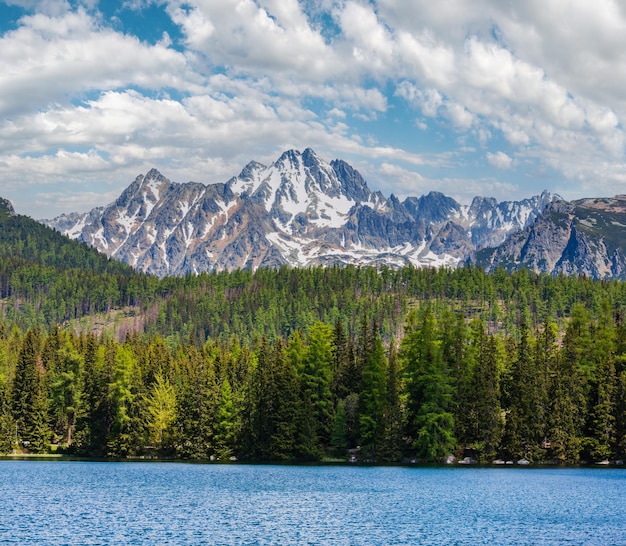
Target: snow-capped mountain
{"points": [[583, 237], [298, 211]]}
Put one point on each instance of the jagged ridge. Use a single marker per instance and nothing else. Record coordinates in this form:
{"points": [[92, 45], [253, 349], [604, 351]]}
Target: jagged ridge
{"points": [[584, 237], [298, 211]]}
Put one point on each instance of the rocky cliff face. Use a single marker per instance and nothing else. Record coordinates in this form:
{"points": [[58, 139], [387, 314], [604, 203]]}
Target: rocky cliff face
{"points": [[6, 208], [298, 211], [585, 237]]}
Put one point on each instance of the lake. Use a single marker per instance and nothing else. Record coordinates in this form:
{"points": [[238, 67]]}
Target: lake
{"points": [[52, 502]]}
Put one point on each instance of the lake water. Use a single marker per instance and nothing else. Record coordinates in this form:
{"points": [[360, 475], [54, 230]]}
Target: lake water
{"points": [[177, 503]]}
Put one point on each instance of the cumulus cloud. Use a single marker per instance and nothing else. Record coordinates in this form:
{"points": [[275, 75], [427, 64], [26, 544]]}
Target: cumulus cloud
{"points": [[499, 160], [245, 79], [51, 58]]}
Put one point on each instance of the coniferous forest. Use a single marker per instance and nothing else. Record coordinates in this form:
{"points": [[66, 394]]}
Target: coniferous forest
{"points": [[379, 364]]}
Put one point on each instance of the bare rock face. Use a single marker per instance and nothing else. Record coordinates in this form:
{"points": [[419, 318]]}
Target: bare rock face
{"points": [[6, 208], [584, 237], [298, 211]]}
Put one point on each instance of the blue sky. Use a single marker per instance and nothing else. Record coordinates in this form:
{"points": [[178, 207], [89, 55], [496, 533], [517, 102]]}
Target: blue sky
{"points": [[467, 97]]}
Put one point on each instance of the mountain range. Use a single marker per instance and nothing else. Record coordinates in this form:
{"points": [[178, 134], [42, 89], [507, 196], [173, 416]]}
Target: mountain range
{"points": [[298, 211], [583, 237]]}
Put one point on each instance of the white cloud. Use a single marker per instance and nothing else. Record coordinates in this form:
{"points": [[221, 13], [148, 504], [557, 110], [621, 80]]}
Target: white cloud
{"points": [[253, 37], [372, 45], [499, 160], [409, 183], [246, 79], [49, 59]]}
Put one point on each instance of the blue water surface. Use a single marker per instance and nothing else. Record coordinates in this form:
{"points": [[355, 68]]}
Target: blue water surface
{"points": [[178, 503]]}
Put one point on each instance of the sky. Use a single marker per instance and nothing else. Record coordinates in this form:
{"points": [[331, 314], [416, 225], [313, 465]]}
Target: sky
{"points": [[468, 97]]}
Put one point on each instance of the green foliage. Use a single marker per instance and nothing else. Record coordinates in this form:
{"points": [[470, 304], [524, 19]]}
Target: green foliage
{"points": [[429, 388], [122, 396], [161, 407], [373, 397], [287, 364], [66, 386]]}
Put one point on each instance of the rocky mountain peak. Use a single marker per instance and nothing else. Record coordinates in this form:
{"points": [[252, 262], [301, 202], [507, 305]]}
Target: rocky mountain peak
{"points": [[433, 207], [587, 236], [353, 184], [300, 210]]}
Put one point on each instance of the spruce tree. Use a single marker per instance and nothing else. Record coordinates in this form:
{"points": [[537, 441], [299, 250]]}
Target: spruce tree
{"points": [[315, 382], [391, 448], [601, 418], [429, 389], [372, 399], [29, 399]]}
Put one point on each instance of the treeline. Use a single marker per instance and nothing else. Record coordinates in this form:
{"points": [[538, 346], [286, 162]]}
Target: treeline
{"points": [[277, 302], [448, 385], [48, 279]]}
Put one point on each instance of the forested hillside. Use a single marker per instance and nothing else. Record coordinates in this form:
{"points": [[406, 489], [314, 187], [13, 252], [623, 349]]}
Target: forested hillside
{"points": [[46, 278], [448, 386], [305, 364]]}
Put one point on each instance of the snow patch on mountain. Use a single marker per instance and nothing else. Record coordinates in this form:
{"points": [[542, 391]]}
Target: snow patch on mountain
{"points": [[299, 211]]}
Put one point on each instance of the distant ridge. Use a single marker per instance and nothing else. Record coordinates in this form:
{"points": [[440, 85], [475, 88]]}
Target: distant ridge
{"points": [[583, 237]]}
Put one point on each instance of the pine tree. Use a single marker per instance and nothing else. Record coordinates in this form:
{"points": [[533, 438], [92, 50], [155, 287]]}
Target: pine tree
{"points": [[7, 423], [94, 423], [372, 399], [601, 425], [524, 426], [487, 405], [226, 424], [283, 440], [29, 400], [315, 381], [339, 431], [390, 449], [567, 392], [429, 389]]}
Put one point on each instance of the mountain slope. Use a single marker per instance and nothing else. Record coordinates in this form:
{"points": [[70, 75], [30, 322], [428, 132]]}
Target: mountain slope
{"points": [[298, 211], [24, 239], [586, 237]]}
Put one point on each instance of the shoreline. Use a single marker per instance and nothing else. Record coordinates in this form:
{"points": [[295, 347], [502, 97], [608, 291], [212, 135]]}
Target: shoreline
{"points": [[53, 457]]}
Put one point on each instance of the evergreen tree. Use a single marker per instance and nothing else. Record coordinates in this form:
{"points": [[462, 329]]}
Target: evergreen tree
{"points": [[29, 399], [429, 389], [339, 431], [122, 397], [161, 406], [315, 381], [7, 423], [392, 417], [460, 352], [601, 426], [567, 386], [344, 369], [67, 389], [524, 427], [94, 423], [283, 440], [487, 389], [372, 399], [226, 424]]}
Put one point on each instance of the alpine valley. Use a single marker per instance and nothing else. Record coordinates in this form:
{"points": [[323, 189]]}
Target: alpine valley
{"points": [[299, 211]]}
